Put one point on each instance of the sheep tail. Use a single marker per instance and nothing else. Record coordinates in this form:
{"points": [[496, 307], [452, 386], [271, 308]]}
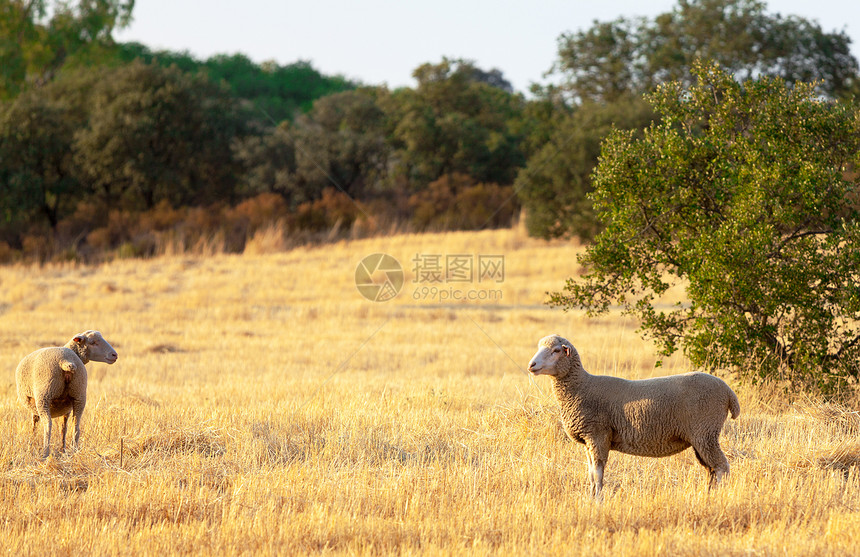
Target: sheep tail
{"points": [[734, 405], [69, 369]]}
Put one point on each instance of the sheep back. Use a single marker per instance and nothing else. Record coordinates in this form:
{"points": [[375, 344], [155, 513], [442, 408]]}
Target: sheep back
{"points": [[56, 375]]}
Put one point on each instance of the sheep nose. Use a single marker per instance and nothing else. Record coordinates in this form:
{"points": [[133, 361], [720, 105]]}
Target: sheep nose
{"points": [[531, 365]]}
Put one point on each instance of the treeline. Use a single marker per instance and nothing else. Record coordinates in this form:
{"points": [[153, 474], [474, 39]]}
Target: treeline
{"points": [[108, 148], [272, 92], [91, 159]]}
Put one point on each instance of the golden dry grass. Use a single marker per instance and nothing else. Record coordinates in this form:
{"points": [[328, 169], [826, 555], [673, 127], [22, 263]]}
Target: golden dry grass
{"points": [[261, 406]]}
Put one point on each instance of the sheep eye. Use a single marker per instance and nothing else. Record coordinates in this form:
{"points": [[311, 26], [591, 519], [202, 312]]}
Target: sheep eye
{"points": [[556, 350]]}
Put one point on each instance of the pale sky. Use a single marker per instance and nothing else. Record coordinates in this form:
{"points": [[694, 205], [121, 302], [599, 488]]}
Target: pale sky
{"points": [[382, 42]]}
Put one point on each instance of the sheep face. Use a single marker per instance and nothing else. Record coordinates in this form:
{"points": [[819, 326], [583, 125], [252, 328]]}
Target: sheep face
{"points": [[95, 347], [552, 356]]}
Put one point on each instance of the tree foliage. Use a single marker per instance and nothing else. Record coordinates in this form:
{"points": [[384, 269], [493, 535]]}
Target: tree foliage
{"points": [[634, 55], [605, 70], [36, 167], [142, 138], [273, 92], [268, 163], [339, 143], [120, 138], [158, 134], [456, 121], [557, 179], [740, 194], [38, 37]]}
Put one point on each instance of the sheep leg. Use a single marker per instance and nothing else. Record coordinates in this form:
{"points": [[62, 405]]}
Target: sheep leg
{"points": [[597, 476], [78, 409], [591, 472], [65, 425], [717, 473], [598, 454], [35, 424], [44, 413], [707, 467], [711, 456]]}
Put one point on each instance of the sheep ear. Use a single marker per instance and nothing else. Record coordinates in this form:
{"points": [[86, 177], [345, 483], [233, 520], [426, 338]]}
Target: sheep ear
{"points": [[566, 349], [79, 339]]}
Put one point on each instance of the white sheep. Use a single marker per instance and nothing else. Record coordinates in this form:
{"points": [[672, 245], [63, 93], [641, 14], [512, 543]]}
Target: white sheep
{"points": [[647, 417], [52, 382]]}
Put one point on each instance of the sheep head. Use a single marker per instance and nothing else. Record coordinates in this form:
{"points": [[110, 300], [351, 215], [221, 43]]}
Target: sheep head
{"points": [[555, 356], [92, 347]]}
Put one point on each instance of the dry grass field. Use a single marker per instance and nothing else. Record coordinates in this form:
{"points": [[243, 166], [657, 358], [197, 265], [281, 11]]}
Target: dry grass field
{"points": [[261, 405]]}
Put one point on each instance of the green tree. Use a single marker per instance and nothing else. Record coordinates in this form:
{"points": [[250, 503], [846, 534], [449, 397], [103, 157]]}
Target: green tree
{"points": [[342, 141], [457, 122], [740, 195], [606, 67], [269, 164], [36, 168], [38, 37], [633, 55], [158, 134], [555, 183], [273, 92], [127, 53]]}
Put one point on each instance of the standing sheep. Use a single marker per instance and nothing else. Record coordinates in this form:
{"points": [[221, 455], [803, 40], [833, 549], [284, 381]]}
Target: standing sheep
{"points": [[649, 417], [52, 382]]}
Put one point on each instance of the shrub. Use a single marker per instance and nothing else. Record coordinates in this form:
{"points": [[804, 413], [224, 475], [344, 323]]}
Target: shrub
{"points": [[740, 195], [335, 210], [456, 202]]}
